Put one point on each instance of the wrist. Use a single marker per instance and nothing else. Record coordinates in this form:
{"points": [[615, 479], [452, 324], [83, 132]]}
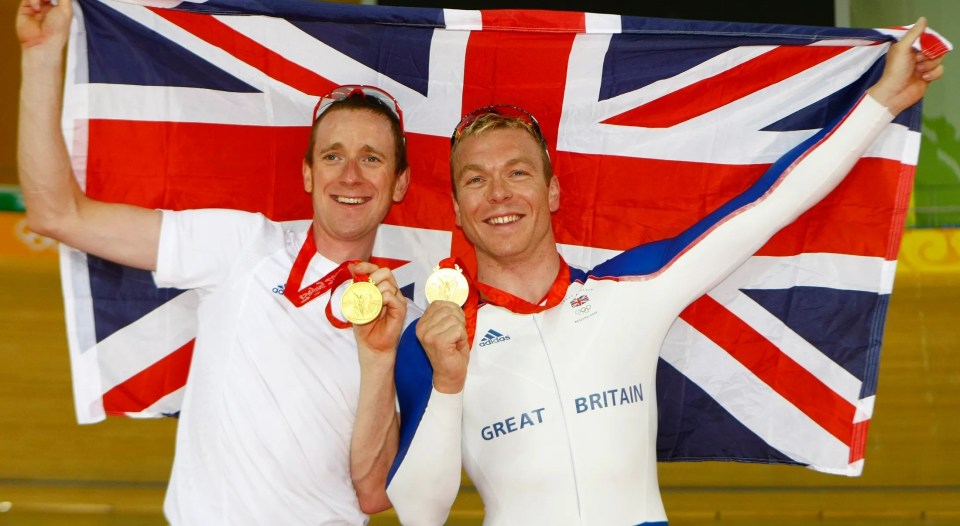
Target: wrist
{"points": [[41, 57], [377, 359], [448, 385], [882, 95]]}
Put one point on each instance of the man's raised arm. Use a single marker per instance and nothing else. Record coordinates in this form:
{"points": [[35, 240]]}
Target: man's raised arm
{"points": [[56, 206], [806, 174]]}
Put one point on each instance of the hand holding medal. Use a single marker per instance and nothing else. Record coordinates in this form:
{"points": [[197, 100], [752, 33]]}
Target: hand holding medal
{"points": [[376, 308], [447, 283], [447, 327], [362, 301]]}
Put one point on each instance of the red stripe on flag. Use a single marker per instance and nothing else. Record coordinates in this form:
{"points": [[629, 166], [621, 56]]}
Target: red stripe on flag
{"points": [[177, 165], [151, 384], [932, 46], [858, 444], [255, 168], [498, 69], [785, 376], [618, 202], [182, 166], [855, 218], [392, 264], [533, 20], [246, 49], [637, 201], [428, 203], [731, 85]]}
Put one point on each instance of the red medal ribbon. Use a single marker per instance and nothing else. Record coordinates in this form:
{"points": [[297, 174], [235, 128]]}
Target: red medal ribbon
{"points": [[300, 297], [521, 306]]}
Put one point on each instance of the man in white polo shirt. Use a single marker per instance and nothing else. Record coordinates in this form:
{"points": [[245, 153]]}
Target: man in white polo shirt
{"points": [[266, 428]]}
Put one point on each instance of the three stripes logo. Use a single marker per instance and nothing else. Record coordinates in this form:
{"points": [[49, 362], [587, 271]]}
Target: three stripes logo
{"points": [[492, 337]]}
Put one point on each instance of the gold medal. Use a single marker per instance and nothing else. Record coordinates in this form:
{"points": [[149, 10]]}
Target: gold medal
{"points": [[447, 284], [361, 302]]}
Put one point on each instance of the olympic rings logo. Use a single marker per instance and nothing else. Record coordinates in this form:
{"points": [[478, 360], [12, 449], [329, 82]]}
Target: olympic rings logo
{"points": [[33, 241], [582, 310]]}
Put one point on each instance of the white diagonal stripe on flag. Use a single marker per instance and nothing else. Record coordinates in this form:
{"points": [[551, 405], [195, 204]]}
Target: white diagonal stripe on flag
{"points": [[149, 339], [751, 401], [837, 271]]}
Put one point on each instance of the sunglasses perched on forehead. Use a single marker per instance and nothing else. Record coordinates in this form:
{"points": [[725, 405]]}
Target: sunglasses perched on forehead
{"points": [[344, 92], [504, 110]]}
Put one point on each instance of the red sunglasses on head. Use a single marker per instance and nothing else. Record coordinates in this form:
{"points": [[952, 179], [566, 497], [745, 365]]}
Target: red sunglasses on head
{"points": [[506, 110], [344, 92]]}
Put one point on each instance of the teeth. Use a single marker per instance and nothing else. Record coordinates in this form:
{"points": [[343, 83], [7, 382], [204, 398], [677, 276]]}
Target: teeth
{"points": [[350, 200], [502, 220]]}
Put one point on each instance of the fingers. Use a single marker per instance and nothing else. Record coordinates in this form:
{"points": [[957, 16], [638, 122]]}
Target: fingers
{"points": [[904, 47], [914, 34], [442, 328], [37, 6], [443, 333], [929, 70], [382, 277]]}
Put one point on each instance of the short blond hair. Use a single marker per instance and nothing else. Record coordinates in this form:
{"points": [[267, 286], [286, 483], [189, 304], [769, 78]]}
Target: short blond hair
{"points": [[494, 121]]}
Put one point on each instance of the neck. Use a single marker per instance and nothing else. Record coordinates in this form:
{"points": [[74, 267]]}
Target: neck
{"points": [[339, 251], [529, 279]]}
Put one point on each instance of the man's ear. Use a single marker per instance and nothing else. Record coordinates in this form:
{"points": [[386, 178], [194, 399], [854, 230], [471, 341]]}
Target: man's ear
{"points": [[553, 193], [307, 177], [456, 209], [401, 186]]}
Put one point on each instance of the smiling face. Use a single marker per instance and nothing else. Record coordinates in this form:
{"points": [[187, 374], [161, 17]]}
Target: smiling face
{"points": [[503, 200], [352, 180]]}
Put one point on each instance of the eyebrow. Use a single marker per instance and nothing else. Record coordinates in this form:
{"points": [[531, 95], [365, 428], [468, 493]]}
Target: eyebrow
{"points": [[339, 146], [510, 163], [478, 168]]}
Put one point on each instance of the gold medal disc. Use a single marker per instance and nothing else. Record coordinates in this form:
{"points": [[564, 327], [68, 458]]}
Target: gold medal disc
{"points": [[447, 284], [361, 302]]}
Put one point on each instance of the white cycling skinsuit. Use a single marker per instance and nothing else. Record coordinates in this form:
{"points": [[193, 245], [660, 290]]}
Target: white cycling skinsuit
{"points": [[557, 422]]}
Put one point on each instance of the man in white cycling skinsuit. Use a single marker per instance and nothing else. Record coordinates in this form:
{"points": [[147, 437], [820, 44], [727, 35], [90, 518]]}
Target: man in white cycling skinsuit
{"points": [[545, 404]]}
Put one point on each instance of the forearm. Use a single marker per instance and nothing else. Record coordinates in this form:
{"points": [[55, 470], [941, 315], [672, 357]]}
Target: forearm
{"points": [[373, 445], [56, 206], [49, 189], [427, 480], [803, 180]]}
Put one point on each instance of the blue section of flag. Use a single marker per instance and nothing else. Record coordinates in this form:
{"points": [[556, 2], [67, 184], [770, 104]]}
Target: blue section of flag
{"points": [[402, 54], [694, 426], [814, 116], [724, 34], [652, 49], [632, 63], [408, 291], [121, 51], [121, 295], [845, 325], [308, 10]]}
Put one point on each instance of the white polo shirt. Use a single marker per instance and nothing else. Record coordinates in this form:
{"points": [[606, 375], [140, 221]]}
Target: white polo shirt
{"points": [[269, 407]]}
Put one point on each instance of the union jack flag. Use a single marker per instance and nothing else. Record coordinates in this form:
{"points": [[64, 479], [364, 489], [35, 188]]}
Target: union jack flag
{"points": [[651, 123], [579, 300]]}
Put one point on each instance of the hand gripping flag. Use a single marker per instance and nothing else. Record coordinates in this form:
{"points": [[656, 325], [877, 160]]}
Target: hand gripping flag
{"points": [[651, 123]]}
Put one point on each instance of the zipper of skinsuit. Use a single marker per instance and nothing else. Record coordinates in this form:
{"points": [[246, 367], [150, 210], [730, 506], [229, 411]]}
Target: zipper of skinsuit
{"points": [[563, 413]]}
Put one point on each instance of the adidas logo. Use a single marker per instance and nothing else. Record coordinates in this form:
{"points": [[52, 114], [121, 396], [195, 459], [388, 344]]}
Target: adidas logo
{"points": [[492, 337]]}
